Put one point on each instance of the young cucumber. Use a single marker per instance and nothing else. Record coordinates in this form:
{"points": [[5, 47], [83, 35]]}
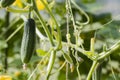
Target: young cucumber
{"points": [[28, 41], [5, 3]]}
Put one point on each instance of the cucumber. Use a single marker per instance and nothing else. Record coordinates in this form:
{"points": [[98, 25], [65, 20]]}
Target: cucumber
{"points": [[28, 41], [5, 3]]}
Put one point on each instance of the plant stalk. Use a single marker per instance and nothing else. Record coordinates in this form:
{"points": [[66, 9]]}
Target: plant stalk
{"points": [[109, 51], [92, 69], [51, 63], [57, 27], [7, 19], [97, 73], [43, 23]]}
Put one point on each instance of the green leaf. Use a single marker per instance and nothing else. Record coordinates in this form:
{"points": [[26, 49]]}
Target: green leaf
{"points": [[41, 52], [67, 58], [3, 44], [35, 59], [91, 55]]}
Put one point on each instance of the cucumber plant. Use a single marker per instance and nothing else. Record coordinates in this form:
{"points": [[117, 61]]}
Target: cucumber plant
{"points": [[71, 56]]}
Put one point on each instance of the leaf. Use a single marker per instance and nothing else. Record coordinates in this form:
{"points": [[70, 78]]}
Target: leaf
{"points": [[41, 52], [3, 44], [67, 58], [91, 55], [35, 59]]}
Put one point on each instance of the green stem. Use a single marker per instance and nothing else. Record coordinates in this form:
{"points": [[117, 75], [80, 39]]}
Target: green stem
{"points": [[7, 21], [10, 9], [109, 51], [67, 71], [92, 70], [29, 15], [57, 27], [78, 72], [112, 70], [16, 20], [61, 67], [97, 73], [69, 9], [42, 22], [33, 72], [77, 48], [14, 33], [83, 12], [51, 63]]}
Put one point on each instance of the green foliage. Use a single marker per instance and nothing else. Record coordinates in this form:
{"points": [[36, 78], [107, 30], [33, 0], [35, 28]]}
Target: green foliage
{"points": [[41, 52], [76, 49]]}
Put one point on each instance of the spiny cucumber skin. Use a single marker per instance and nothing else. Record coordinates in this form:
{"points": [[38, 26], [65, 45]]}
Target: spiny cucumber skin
{"points": [[5, 3], [28, 41]]}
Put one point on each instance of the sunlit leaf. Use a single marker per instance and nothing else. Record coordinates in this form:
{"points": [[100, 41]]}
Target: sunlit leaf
{"points": [[41, 52]]}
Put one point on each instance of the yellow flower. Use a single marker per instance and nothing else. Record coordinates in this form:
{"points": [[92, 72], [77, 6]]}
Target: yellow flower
{"points": [[5, 77], [40, 5], [18, 3]]}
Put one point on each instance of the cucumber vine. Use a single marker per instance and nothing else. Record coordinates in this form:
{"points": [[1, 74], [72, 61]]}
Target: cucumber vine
{"points": [[54, 36]]}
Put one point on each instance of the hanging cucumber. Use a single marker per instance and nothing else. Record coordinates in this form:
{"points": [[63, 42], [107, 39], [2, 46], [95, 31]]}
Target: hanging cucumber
{"points": [[28, 41], [5, 3]]}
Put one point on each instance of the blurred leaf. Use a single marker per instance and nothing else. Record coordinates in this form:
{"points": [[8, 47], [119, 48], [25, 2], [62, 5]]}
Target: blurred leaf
{"points": [[3, 44], [20, 75], [34, 59], [41, 52], [88, 1], [111, 77], [15, 62]]}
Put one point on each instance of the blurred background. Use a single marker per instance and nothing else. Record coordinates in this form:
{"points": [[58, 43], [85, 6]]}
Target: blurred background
{"points": [[104, 26]]}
